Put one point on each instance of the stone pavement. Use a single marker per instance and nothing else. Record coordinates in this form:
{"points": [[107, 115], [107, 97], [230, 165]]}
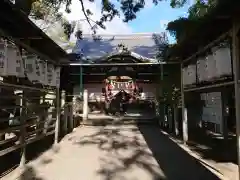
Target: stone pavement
{"points": [[126, 152]]}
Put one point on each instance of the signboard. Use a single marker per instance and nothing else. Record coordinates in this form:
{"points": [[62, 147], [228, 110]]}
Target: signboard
{"points": [[30, 67], [212, 109], [19, 65], [50, 74], [43, 71], [3, 59], [11, 60], [57, 76]]}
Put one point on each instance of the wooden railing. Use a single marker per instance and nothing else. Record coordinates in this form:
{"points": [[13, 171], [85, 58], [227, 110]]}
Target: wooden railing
{"points": [[27, 114]]}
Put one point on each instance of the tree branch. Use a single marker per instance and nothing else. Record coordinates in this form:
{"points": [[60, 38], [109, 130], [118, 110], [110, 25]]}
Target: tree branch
{"points": [[85, 14]]}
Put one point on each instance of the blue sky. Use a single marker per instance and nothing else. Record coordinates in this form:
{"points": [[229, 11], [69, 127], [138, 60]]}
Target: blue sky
{"points": [[152, 19]]}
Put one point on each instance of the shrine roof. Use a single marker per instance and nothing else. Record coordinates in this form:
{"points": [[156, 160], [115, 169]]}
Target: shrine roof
{"points": [[140, 46]]}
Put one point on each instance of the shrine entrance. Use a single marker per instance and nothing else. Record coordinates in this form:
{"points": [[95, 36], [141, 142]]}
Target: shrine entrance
{"points": [[126, 88]]}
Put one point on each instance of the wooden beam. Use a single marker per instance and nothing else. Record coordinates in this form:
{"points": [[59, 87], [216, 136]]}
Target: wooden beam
{"points": [[118, 64], [209, 86], [236, 63], [104, 74], [26, 46]]}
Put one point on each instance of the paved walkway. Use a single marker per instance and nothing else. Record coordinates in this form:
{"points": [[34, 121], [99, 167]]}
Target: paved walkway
{"points": [[116, 153]]}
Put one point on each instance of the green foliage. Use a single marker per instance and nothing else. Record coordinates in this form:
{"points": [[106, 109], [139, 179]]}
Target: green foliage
{"points": [[170, 84], [178, 3], [181, 28]]}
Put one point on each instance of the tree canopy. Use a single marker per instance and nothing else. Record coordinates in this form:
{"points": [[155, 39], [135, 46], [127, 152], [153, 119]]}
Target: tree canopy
{"points": [[181, 27], [39, 9]]}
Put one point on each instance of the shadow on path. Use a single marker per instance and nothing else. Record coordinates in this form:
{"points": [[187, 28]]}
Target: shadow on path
{"points": [[29, 174], [127, 154], [174, 161]]}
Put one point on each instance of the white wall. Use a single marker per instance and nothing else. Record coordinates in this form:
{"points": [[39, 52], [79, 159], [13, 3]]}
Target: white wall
{"points": [[94, 90], [149, 90]]}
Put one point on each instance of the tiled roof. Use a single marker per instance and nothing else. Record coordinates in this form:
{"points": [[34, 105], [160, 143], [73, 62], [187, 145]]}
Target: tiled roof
{"points": [[143, 46]]}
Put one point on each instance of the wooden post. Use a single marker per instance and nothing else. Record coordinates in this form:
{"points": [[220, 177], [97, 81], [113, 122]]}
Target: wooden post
{"points": [[85, 105], [175, 114], [70, 111], [184, 111], [23, 131], [65, 111], [57, 124], [65, 118], [170, 119], [43, 113], [161, 105], [235, 57]]}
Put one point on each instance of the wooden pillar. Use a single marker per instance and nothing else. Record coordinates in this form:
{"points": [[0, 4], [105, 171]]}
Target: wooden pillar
{"points": [[58, 113], [225, 114], [170, 118], [81, 82], [23, 131], [65, 119], [63, 98], [235, 58], [184, 111], [85, 105], [175, 114]]}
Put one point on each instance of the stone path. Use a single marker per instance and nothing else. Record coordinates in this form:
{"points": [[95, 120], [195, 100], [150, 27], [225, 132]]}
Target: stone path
{"points": [[126, 152]]}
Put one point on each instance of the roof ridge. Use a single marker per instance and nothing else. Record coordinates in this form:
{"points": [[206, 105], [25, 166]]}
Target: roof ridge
{"points": [[130, 34]]}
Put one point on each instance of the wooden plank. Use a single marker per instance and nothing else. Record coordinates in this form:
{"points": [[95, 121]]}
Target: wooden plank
{"points": [[27, 124], [120, 64], [28, 141], [209, 86], [12, 139], [15, 86], [58, 111]]}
